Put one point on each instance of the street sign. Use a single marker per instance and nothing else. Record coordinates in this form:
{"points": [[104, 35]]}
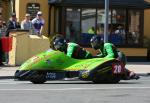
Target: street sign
{"points": [[32, 9]]}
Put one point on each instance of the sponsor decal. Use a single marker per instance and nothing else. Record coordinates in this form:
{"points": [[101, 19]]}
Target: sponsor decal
{"points": [[51, 75], [84, 66], [85, 74], [72, 69]]}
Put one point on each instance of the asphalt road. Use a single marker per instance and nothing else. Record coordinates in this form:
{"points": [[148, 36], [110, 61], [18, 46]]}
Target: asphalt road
{"points": [[135, 91]]}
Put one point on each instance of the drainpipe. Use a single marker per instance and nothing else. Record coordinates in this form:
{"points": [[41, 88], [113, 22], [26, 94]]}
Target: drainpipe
{"points": [[14, 6], [12, 3]]}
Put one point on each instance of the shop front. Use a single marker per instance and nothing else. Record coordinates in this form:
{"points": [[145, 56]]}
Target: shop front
{"points": [[79, 20]]}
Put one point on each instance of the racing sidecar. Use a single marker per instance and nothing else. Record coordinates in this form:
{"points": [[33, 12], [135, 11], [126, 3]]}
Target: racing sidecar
{"points": [[55, 65]]}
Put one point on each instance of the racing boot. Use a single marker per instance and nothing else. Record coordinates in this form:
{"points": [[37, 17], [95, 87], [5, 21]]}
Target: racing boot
{"points": [[130, 75], [133, 75], [1, 63]]}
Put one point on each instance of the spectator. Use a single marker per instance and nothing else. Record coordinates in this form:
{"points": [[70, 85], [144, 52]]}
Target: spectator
{"points": [[4, 28], [12, 24], [121, 32], [0, 44], [26, 24], [2, 33], [38, 23], [1, 56], [1, 26]]}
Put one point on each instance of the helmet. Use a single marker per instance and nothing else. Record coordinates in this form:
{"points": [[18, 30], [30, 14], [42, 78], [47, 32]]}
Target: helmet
{"points": [[96, 41], [60, 44]]}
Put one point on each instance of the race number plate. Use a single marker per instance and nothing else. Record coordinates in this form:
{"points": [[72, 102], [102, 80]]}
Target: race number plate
{"points": [[117, 68]]}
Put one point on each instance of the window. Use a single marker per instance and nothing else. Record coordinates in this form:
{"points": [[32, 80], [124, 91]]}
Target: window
{"points": [[117, 27], [118, 16], [101, 21], [134, 27], [57, 21], [88, 21], [88, 25], [124, 25], [73, 24]]}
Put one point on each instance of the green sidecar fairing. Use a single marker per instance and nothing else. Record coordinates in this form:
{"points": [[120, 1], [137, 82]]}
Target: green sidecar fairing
{"points": [[55, 65]]}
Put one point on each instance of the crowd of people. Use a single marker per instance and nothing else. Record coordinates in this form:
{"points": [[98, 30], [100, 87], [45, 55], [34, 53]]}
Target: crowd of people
{"points": [[35, 26]]}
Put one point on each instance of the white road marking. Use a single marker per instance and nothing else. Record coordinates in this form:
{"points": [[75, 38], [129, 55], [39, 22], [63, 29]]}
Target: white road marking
{"points": [[12, 82], [75, 89]]}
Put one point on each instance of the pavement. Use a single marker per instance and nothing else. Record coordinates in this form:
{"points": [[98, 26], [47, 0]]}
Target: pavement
{"points": [[7, 72], [141, 68]]}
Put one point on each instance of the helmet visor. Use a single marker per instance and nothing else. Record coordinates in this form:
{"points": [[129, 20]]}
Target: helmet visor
{"points": [[95, 45], [60, 44]]}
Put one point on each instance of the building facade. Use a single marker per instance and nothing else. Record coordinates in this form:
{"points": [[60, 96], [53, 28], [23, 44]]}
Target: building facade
{"points": [[6, 7], [33, 6], [75, 18], [128, 20], [147, 22]]}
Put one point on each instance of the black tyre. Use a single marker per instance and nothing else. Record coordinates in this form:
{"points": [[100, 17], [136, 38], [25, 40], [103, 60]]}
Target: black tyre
{"points": [[39, 79], [106, 81], [114, 80], [100, 78]]}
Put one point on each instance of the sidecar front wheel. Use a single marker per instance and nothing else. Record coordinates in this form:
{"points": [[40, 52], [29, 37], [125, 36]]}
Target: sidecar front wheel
{"points": [[39, 79]]}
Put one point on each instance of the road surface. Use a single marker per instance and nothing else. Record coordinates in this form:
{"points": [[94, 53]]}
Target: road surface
{"points": [[134, 91]]}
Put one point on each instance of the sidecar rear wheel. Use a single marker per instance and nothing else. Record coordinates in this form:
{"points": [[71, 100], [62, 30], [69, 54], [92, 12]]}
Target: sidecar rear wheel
{"points": [[105, 78], [107, 81]]}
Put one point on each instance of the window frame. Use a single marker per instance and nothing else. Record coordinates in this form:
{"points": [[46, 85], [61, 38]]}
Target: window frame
{"points": [[140, 44]]}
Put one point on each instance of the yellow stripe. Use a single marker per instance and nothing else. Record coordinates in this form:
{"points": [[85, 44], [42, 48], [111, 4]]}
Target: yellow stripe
{"points": [[105, 69]]}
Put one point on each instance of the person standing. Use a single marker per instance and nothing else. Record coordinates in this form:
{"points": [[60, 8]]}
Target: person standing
{"points": [[2, 34], [120, 32], [1, 27], [38, 23], [4, 28], [1, 53], [26, 24], [12, 24]]}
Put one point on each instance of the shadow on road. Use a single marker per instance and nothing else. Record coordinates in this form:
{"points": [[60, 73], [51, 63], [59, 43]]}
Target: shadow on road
{"points": [[89, 82], [138, 63]]}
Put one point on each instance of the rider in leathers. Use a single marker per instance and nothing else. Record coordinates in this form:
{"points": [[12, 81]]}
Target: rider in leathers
{"points": [[70, 49], [108, 50]]}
